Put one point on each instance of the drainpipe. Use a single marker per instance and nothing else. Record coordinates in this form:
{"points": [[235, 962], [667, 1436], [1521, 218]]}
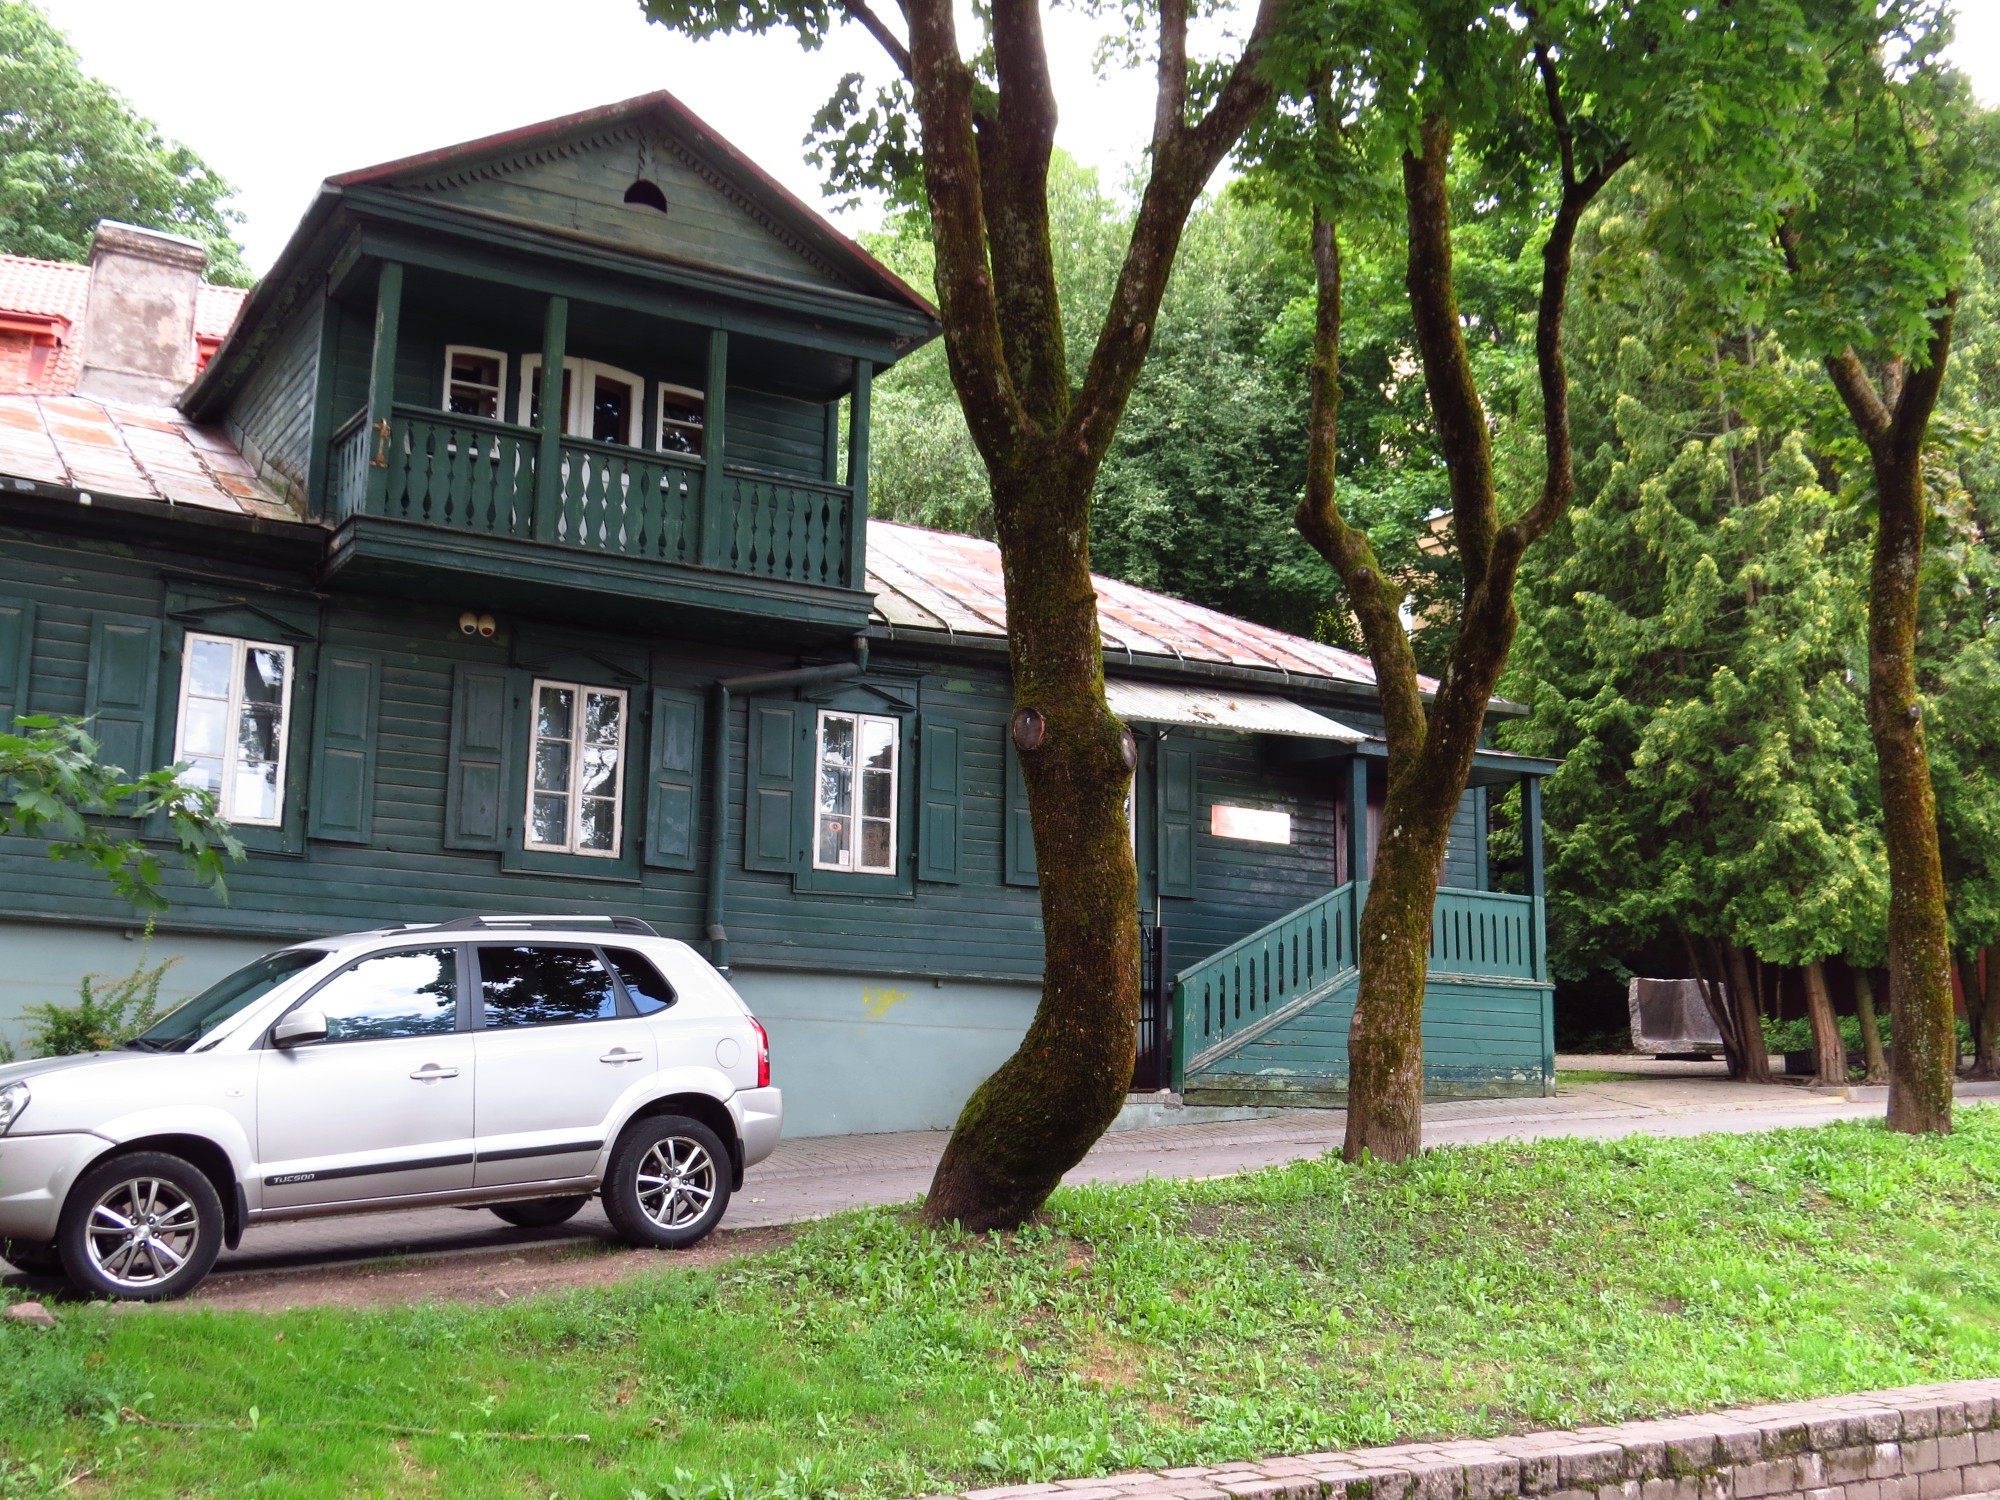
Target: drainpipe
{"points": [[718, 823]]}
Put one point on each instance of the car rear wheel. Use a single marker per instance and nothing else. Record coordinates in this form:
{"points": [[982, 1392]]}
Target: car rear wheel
{"points": [[540, 1213], [141, 1228], [669, 1182]]}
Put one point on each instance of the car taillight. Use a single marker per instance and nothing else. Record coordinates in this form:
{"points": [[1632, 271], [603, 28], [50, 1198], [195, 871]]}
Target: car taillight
{"points": [[763, 1053]]}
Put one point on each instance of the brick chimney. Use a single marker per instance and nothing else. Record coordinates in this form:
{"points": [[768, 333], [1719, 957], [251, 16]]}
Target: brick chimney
{"points": [[138, 327]]}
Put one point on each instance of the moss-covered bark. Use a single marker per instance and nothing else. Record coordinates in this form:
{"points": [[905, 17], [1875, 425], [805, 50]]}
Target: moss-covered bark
{"points": [[1431, 745], [1893, 425], [986, 155], [1749, 1018], [1829, 1052], [1871, 1028]]}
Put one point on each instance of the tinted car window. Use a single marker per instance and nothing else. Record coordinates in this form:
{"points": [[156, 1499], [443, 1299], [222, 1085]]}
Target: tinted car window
{"points": [[541, 985], [649, 991], [413, 992], [194, 1020]]}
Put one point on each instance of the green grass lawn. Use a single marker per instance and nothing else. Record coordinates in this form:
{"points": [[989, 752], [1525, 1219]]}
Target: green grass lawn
{"points": [[1472, 1291]]}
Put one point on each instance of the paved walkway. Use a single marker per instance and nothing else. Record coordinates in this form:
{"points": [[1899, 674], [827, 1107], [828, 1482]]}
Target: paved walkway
{"points": [[812, 1177]]}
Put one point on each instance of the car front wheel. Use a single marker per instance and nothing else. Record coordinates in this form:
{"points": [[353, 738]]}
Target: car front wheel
{"points": [[669, 1182], [142, 1228]]}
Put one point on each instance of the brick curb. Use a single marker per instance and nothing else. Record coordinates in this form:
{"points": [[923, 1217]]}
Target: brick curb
{"points": [[1932, 1442]]}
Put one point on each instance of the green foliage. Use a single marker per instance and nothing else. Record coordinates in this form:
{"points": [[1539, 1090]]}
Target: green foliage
{"points": [[107, 1012], [1466, 1292], [1796, 1035], [72, 152], [53, 787]]}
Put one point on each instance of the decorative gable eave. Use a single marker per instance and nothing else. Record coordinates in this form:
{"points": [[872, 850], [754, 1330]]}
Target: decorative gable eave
{"points": [[697, 147], [460, 240]]}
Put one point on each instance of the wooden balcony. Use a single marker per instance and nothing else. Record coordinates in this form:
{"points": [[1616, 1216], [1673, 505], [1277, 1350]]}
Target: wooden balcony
{"points": [[469, 482]]}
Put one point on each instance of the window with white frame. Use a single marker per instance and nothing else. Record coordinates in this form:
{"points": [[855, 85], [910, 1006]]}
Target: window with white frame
{"points": [[574, 781], [854, 808], [682, 411], [231, 729], [599, 401], [475, 381]]}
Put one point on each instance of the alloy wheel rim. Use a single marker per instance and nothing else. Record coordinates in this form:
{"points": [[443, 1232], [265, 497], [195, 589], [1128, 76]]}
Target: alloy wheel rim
{"points": [[141, 1232], [676, 1182]]}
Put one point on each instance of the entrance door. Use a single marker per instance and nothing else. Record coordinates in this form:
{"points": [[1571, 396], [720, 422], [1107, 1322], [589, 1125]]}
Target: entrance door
{"points": [[383, 1107], [558, 1047]]}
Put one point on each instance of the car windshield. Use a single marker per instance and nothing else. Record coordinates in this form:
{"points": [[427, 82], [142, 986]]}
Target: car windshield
{"points": [[186, 1024]]}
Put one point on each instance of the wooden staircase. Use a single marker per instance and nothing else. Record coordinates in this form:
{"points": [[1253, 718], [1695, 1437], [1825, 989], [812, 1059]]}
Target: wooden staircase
{"points": [[1264, 1021]]}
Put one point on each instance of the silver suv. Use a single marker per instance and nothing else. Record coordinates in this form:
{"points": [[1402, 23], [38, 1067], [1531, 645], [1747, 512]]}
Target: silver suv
{"points": [[520, 1063]]}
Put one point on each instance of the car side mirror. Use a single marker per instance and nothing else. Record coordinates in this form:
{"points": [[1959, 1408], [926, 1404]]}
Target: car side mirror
{"points": [[299, 1027]]}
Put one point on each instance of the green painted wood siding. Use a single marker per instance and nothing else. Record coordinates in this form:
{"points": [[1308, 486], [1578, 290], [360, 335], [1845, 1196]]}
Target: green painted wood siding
{"points": [[580, 189], [776, 432], [271, 419], [403, 865]]}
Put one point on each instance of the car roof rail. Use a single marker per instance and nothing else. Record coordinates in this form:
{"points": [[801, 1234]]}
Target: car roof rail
{"points": [[493, 922]]}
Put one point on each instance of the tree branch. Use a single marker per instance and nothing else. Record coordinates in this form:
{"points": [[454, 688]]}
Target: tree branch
{"points": [[1376, 602], [1919, 395], [1180, 171], [1170, 108], [1558, 115], [1850, 378], [973, 346], [1460, 416], [876, 27], [1014, 153]]}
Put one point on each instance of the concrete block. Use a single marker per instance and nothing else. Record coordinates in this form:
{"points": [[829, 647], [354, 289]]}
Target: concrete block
{"points": [[1823, 1493], [1440, 1481], [1920, 1417], [1846, 1465], [1494, 1478], [1589, 1465], [1645, 1456], [1782, 1436], [1186, 1471], [1888, 1461], [1691, 1452], [1986, 1446], [1885, 1425], [1862, 1489], [1956, 1450], [1540, 1473], [1951, 1416], [1981, 1478], [1921, 1456], [1768, 1476], [1623, 1489], [1941, 1484], [1260, 1487]]}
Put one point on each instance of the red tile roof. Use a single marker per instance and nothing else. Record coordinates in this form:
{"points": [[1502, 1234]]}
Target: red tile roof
{"points": [[133, 452], [937, 581], [61, 289]]}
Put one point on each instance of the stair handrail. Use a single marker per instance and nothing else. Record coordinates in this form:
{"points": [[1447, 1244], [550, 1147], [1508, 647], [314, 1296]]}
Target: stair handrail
{"points": [[1299, 953]]}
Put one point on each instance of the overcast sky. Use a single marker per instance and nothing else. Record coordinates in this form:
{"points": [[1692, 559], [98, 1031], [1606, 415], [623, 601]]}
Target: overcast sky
{"points": [[276, 94]]}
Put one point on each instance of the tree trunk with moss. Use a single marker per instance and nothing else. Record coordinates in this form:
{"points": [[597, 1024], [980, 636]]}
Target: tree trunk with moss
{"points": [[1431, 746], [1749, 1018], [1829, 1052], [1871, 1026], [1892, 418], [985, 157]]}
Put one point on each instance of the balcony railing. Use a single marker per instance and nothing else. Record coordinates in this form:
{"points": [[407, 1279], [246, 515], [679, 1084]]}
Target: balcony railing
{"points": [[467, 474]]}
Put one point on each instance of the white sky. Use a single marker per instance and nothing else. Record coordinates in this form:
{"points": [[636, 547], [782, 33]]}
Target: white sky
{"points": [[276, 94]]}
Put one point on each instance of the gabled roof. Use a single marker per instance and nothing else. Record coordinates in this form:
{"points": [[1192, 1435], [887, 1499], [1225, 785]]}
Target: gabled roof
{"points": [[791, 214], [59, 291]]}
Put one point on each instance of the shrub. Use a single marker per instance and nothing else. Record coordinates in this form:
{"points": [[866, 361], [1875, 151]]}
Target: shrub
{"points": [[107, 1012]]}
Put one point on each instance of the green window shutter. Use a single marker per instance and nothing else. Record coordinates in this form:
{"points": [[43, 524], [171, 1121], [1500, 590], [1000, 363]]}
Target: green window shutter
{"points": [[776, 784], [475, 785], [343, 772], [671, 784], [1019, 833], [123, 689], [17, 654], [941, 798], [1175, 823]]}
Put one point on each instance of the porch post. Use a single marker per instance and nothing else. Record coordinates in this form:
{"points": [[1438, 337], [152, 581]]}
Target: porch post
{"points": [[1357, 818], [1531, 851], [857, 475], [714, 452], [548, 452], [382, 383]]}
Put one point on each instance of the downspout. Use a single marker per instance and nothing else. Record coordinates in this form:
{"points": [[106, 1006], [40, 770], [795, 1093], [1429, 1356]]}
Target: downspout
{"points": [[718, 823]]}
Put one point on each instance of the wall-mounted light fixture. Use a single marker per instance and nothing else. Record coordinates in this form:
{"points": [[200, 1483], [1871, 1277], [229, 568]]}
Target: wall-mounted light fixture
{"points": [[471, 623]]}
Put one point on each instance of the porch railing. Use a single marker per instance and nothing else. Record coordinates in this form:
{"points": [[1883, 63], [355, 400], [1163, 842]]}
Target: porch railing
{"points": [[471, 475], [1481, 934], [1244, 984]]}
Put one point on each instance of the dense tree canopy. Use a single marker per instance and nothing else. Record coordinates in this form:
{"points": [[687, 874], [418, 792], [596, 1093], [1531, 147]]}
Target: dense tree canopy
{"points": [[72, 152]]}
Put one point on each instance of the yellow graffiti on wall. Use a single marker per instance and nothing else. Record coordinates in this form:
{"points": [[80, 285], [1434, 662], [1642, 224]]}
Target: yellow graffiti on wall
{"points": [[879, 1000]]}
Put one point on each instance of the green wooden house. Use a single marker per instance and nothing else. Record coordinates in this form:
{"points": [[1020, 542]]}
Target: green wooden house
{"points": [[511, 553]]}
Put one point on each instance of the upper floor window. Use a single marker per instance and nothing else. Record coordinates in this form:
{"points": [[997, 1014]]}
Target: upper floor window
{"points": [[681, 415], [231, 729], [854, 818], [599, 400], [575, 781], [475, 381]]}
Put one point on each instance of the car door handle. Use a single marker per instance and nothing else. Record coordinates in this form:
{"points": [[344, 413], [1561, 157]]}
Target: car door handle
{"points": [[620, 1055], [431, 1073]]}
